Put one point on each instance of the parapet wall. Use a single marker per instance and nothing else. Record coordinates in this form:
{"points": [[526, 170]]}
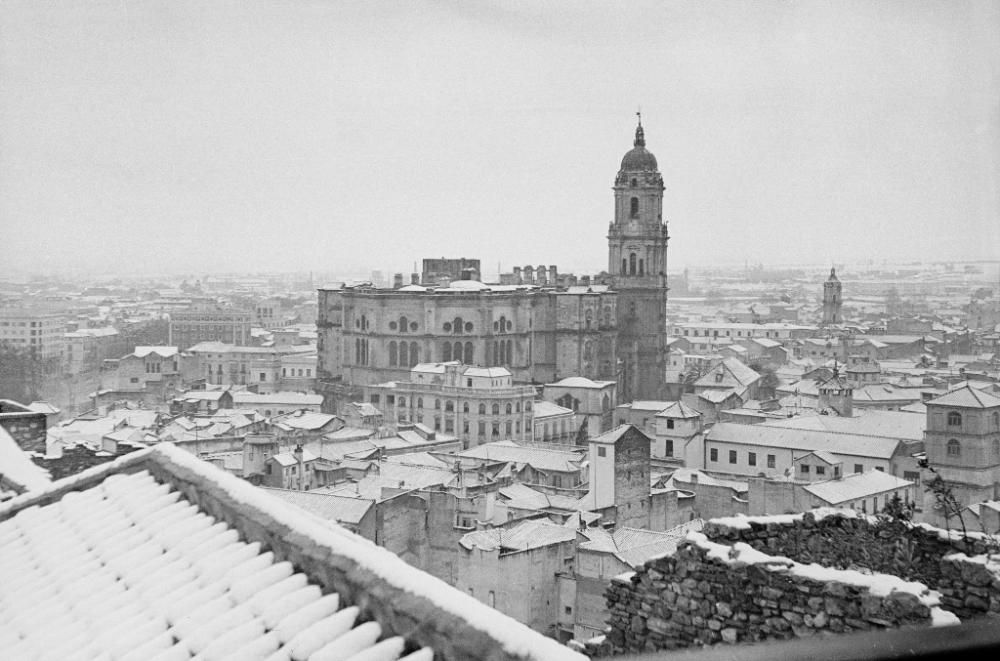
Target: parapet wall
{"points": [[844, 539], [707, 593]]}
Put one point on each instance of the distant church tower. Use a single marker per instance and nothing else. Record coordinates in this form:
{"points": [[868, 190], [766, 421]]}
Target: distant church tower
{"points": [[832, 299], [637, 262]]}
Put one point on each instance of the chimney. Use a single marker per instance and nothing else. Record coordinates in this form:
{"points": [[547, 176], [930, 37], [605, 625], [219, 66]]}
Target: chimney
{"points": [[414, 278], [397, 281], [517, 276], [553, 274], [298, 459]]}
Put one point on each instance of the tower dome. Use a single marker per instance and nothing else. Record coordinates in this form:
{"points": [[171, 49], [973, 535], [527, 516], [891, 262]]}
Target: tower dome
{"points": [[638, 158]]}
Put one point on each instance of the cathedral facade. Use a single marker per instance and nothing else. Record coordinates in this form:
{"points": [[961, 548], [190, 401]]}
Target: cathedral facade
{"points": [[611, 327]]}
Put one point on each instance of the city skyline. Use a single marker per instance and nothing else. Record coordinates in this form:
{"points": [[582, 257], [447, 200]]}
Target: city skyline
{"points": [[279, 136]]}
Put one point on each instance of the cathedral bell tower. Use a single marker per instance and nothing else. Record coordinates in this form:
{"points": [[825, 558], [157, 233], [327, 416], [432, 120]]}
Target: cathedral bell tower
{"points": [[637, 262]]}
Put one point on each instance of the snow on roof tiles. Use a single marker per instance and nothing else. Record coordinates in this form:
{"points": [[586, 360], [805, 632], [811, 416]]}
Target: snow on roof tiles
{"points": [[768, 435], [336, 507], [125, 565], [527, 535], [173, 580], [967, 397], [17, 468], [854, 486], [540, 458]]}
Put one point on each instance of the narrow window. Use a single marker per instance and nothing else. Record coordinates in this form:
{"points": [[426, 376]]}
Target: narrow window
{"points": [[393, 356], [634, 208], [732, 456], [752, 459], [954, 419], [631, 263], [713, 455], [954, 448], [770, 461]]}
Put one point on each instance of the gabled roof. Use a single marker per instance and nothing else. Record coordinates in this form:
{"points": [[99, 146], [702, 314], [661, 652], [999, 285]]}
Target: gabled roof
{"points": [[527, 535], [767, 434], [634, 546], [678, 410], [545, 409], [540, 458], [289, 459], [162, 352], [334, 507], [966, 397], [735, 373], [489, 372], [580, 382], [854, 486]]}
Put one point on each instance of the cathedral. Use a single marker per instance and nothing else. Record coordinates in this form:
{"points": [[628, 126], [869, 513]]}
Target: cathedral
{"points": [[610, 327]]}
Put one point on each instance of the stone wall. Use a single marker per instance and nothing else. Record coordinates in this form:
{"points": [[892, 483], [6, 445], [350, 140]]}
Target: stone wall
{"points": [[708, 593], [844, 539]]}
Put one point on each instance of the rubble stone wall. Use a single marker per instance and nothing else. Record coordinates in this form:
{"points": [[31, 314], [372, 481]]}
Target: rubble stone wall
{"points": [[842, 539], [707, 593]]}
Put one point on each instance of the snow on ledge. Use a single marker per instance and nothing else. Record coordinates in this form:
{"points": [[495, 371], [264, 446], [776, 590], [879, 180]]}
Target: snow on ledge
{"points": [[516, 638], [743, 522], [877, 584]]}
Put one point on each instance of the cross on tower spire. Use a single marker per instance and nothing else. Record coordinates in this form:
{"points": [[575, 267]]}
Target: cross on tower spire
{"points": [[640, 135]]}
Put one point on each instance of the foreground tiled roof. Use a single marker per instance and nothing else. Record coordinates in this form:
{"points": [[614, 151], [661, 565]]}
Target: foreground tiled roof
{"points": [[171, 581], [159, 555]]}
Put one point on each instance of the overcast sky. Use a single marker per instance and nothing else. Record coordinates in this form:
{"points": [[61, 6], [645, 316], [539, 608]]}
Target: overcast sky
{"points": [[293, 135]]}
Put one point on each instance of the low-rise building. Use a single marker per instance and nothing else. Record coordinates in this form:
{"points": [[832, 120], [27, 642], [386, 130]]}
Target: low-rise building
{"points": [[477, 404], [592, 401]]}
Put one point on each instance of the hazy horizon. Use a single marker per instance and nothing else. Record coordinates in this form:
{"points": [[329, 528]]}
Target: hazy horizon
{"points": [[148, 137]]}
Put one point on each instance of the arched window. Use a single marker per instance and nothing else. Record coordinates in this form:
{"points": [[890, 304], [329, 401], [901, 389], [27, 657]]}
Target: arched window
{"points": [[605, 403], [635, 182], [414, 354], [404, 355], [496, 409], [954, 448], [420, 402], [456, 326], [527, 406], [401, 402], [510, 352], [437, 404], [642, 268], [446, 352], [954, 419], [449, 406], [517, 406], [403, 324], [465, 407], [393, 356], [509, 409], [468, 354], [502, 326], [631, 263], [457, 353], [482, 409], [634, 208], [624, 266]]}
